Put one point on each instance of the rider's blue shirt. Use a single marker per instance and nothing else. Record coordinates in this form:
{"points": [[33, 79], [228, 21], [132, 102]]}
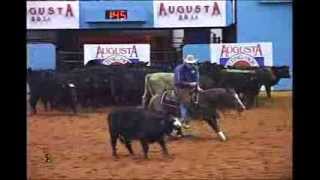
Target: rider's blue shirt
{"points": [[184, 74]]}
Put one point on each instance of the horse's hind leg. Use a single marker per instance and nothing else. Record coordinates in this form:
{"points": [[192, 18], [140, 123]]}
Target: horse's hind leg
{"points": [[214, 123]]}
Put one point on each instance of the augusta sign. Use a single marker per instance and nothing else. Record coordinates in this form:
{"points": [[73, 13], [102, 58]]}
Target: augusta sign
{"points": [[242, 54], [113, 54], [189, 13], [52, 14]]}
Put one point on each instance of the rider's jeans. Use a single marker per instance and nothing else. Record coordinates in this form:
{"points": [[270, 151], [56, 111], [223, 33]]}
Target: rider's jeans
{"points": [[184, 113], [184, 98]]}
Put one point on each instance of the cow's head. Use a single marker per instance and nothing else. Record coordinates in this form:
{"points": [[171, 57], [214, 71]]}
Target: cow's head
{"points": [[70, 89], [173, 125], [281, 71], [73, 91]]}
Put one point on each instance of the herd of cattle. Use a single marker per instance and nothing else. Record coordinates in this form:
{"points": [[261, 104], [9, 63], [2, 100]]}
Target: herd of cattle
{"points": [[98, 86]]}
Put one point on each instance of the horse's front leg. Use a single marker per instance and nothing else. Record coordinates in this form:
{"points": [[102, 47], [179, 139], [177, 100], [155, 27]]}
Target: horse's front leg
{"points": [[214, 123]]}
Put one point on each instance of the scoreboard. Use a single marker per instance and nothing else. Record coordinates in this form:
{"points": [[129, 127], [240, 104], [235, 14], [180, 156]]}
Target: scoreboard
{"points": [[117, 14]]}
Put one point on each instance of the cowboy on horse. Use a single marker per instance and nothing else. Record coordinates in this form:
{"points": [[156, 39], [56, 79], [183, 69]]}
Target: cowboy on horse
{"points": [[186, 82]]}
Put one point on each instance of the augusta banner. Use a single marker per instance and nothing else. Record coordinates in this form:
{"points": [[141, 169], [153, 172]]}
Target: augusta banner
{"points": [[113, 54], [52, 15], [189, 13], [242, 54]]}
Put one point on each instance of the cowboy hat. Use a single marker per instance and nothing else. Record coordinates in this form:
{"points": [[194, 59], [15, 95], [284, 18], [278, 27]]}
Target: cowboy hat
{"points": [[190, 59]]}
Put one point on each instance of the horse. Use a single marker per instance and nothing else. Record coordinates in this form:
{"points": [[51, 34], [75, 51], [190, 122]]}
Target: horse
{"points": [[209, 101]]}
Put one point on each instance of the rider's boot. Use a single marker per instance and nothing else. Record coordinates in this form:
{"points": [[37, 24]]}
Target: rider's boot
{"points": [[186, 124]]}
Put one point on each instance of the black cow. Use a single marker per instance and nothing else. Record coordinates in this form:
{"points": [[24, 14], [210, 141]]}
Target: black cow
{"points": [[93, 85], [277, 72], [214, 75], [132, 123], [127, 86], [124, 83], [245, 82], [51, 87], [250, 80], [210, 75]]}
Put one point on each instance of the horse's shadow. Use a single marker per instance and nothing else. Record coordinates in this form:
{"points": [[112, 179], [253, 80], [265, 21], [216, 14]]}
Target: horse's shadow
{"points": [[191, 137]]}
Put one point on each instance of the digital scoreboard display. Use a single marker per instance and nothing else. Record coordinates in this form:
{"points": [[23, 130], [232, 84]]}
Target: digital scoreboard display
{"points": [[118, 14]]}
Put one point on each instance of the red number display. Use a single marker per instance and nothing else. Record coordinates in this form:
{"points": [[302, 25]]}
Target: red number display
{"points": [[116, 14]]}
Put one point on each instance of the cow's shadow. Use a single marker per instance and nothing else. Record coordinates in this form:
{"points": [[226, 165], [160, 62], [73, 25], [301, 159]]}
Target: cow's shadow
{"points": [[139, 158], [59, 114]]}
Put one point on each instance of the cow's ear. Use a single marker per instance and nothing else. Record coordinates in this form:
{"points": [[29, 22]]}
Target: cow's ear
{"points": [[171, 118]]}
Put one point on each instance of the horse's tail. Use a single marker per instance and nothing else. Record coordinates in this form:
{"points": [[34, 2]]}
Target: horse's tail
{"points": [[147, 91]]}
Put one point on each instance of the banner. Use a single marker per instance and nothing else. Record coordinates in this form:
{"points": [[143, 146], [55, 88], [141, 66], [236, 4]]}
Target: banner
{"points": [[52, 14], [242, 54], [112, 54], [189, 13]]}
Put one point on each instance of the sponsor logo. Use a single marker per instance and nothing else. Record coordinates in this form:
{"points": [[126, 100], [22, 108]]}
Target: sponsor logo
{"points": [[114, 55], [188, 12], [116, 60], [44, 14], [241, 60], [242, 56], [130, 52], [111, 54]]}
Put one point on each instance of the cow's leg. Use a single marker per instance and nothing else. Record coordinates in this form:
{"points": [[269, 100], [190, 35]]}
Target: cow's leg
{"points": [[45, 104], [114, 137], [73, 103], [127, 142], [50, 102], [214, 123], [116, 100], [163, 146], [256, 101], [95, 101], [83, 101], [268, 91], [33, 103], [145, 148], [73, 106]]}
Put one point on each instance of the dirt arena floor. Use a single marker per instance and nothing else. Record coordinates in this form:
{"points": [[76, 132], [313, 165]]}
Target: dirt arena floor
{"points": [[64, 146]]}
